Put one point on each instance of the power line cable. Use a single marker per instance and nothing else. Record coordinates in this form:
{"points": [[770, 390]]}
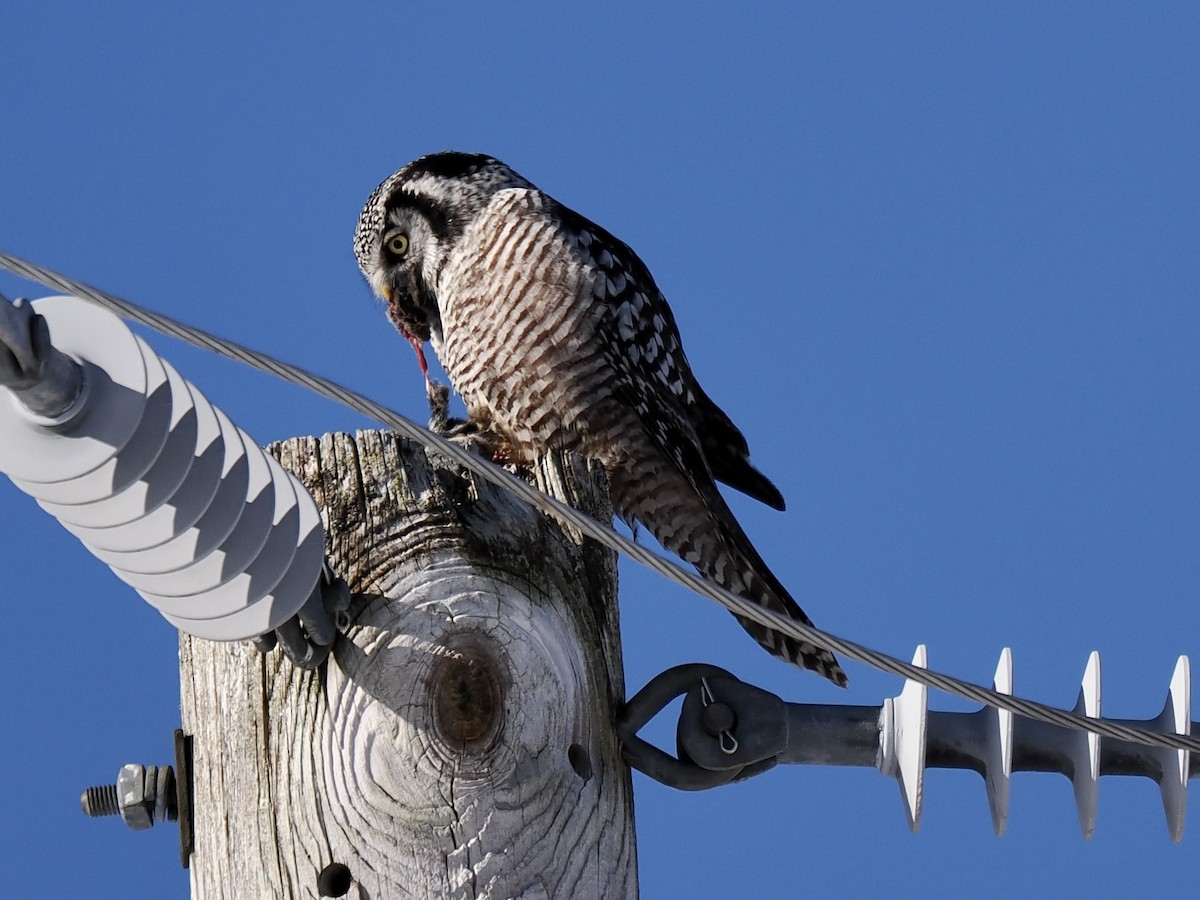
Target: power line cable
{"points": [[600, 532]]}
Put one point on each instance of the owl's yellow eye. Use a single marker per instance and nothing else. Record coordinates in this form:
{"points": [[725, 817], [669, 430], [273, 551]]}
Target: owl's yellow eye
{"points": [[397, 244]]}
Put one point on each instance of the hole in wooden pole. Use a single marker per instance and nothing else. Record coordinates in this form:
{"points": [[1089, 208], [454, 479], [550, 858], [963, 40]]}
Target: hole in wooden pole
{"points": [[335, 880], [577, 756]]}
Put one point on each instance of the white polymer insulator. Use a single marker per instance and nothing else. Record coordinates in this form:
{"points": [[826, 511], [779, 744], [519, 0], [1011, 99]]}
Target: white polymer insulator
{"points": [[162, 487], [997, 765], [213, 578], [904, 722], [277, 601], [130, 461], [1175, 765], [157, 483], [170, 498], [117, 398], [192, 542], [1084, 748]]}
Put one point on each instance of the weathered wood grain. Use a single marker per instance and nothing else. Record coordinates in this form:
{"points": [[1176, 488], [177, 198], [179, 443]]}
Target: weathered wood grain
{"points": [[459, 742]]}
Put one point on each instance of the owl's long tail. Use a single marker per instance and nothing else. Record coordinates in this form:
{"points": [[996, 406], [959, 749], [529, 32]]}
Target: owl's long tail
{"points": [[696, 523]]}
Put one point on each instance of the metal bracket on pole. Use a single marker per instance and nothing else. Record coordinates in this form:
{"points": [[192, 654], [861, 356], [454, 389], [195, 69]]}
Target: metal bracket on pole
{"points": [[47, 382]]}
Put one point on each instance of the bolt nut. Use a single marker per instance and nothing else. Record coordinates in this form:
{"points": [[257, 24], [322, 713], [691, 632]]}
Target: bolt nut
{"points": [[142, 796], [131, 796]]}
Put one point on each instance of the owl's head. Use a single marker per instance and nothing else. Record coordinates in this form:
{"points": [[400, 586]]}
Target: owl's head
{"points": [[413, 221]]}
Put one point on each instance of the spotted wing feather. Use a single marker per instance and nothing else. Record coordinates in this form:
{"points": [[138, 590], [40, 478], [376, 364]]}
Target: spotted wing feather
{"points": [[656, 354], [673, 492]]}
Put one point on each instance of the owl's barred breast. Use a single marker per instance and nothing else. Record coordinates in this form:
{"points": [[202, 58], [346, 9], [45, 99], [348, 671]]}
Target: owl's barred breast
{"points": [[519, 319]]}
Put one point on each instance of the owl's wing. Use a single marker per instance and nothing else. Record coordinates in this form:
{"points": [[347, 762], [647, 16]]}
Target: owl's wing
{"points": [[643, 327], [728, 454]]}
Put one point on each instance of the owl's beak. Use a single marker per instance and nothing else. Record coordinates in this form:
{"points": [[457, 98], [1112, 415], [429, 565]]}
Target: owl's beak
{"points": [[418, 345]]}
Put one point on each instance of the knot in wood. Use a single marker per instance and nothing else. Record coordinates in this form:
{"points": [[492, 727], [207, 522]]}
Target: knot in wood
{"points": [[467, 686]]}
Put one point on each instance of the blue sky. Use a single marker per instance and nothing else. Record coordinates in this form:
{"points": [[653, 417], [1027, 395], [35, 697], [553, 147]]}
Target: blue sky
{"points": [[938, 261]]}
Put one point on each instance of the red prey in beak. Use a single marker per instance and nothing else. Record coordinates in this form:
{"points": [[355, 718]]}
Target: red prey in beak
{"points": [[417, 344]]}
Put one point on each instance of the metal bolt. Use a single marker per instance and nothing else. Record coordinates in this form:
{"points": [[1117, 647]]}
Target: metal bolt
{"points": [[717, 718], [142, 796], [100, 801]]}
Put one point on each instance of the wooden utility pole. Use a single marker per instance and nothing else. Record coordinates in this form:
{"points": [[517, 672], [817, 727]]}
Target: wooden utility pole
{"points": [[459, 741]]}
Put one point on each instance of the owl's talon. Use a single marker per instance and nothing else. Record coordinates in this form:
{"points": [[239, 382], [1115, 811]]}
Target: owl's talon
{"points": [[441, 422], [438, 396]]}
